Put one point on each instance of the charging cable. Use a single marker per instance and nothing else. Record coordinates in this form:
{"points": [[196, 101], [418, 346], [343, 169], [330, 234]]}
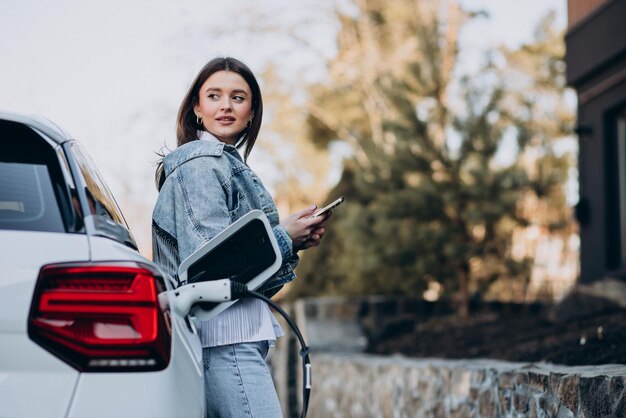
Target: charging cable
{"points": [[240, 290]]}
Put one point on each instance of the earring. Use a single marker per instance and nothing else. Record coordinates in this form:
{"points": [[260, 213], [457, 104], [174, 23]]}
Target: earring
{"points": [[249, 124], [199, 120]]}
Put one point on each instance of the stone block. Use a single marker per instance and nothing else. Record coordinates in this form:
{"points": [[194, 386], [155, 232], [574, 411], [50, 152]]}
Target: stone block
{"points": [[477, 377], [412, 403], [473, 395], [620, 408], [595, 399], [505, 380], [460, 383], [487, 404], [520, 378], [616, 388], [538, 381], [439, 410], [431, 390], [554, 381], [462, 411], [551, 407], [445, 374], [504, 397], [564, 413], [520, 402], [542, 406], [567, 391]]}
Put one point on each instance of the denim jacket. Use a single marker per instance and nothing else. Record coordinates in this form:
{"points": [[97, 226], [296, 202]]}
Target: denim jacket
{"points": [[208, 187]]}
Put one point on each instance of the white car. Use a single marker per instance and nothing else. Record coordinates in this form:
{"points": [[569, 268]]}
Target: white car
{"points": [[86, 328]]}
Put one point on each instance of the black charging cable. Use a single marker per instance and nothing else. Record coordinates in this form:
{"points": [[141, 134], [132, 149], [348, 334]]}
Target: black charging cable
{"points": [[240, 290]]}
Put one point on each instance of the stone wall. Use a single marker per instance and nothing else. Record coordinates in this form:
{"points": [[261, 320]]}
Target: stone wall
{"points": [[348, 383], [376, 386]]}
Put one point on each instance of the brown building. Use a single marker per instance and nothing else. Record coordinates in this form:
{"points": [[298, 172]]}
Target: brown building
{"points": [[596, 68]]}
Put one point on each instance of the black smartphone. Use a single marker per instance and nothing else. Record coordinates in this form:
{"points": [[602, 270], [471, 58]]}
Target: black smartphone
{"points": [[327, 207]]}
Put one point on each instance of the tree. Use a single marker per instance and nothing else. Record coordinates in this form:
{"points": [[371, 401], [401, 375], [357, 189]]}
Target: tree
{"points": [[284, 141], [429, 200]]}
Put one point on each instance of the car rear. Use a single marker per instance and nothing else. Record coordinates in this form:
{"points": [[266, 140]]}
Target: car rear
{"points": [[85, 325]]}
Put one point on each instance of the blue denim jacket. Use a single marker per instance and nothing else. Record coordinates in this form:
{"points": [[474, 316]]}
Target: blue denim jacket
{"points": [[208, 187]]}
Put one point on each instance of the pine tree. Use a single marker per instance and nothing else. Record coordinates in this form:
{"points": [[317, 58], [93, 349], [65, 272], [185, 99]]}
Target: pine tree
{"points": [[428, 201]]}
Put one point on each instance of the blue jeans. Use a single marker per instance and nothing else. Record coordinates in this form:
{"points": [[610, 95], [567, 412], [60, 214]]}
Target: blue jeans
{"points": [[238, 382]]}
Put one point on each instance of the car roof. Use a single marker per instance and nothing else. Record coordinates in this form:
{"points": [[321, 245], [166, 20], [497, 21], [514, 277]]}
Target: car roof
{"points": [[39, 123]]}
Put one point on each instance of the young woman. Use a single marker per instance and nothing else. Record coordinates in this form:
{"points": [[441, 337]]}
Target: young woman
{"points": [[204, 186]]}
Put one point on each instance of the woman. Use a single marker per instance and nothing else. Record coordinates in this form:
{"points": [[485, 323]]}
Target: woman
{"points": [[204, 186]]}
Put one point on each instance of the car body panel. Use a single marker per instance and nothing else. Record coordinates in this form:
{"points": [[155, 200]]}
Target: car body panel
{"points": [[22, 255], [177, 391], [105, 249], [38, 123], [33, 382]]}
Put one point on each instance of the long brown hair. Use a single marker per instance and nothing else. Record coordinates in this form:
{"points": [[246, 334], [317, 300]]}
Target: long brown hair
{"points": [[186, 123]]}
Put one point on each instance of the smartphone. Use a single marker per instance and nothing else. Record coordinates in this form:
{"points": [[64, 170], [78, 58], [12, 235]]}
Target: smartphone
{"points": [[327, 208]]}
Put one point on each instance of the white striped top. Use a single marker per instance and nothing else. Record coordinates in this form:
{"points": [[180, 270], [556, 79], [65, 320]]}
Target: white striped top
{"points": [[247, 320]]}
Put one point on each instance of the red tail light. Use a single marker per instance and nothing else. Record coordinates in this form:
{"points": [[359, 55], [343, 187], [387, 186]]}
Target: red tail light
{"points": [[101, 317]]}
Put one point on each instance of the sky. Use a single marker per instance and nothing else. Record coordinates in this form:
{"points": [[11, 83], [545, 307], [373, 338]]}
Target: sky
{"points": [[510, 22], [113, 73]]}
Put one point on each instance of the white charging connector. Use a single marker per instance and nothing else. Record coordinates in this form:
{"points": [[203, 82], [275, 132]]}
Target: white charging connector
{"points": [[184, 297]]}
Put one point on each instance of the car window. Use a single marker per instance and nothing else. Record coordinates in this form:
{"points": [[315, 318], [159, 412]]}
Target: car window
{"points": [[101, 201], [33, 194], [27, 200], [107, 217]]}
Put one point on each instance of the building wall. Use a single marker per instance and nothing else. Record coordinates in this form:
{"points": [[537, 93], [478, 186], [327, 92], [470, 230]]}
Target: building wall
{"points": [[577, 10], [596, 68]]}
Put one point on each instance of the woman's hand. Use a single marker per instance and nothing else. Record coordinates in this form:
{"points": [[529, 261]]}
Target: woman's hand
{"points": [[305, 233]]}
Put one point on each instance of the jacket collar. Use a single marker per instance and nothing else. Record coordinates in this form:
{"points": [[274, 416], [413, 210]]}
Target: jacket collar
{"points": [[206, 136], [189, 151], [209, 137]]}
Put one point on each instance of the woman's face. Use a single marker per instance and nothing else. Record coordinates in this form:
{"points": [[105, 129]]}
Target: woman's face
{"points": [[225, 105]]}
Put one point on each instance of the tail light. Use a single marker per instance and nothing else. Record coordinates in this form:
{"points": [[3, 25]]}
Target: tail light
{"points": [[103, 317]]}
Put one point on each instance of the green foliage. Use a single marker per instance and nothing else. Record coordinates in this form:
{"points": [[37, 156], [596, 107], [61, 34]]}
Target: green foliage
{"points": [[418, 207]]}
